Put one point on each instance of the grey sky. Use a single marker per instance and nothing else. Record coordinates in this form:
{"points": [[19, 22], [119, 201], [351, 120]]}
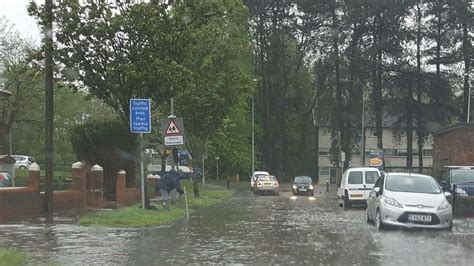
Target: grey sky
{"points": [[15, 12]]}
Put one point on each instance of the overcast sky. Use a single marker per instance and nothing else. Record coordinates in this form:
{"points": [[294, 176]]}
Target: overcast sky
{"points": [[15, 12]]}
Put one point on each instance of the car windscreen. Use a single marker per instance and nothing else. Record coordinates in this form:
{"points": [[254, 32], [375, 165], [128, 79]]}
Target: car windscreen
{"points": [[266, 178], [371, 177], [413, 184], [461, 176], [303, 180], [355, 177]]}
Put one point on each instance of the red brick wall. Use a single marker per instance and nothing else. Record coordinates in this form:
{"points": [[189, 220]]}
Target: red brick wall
{"points": [[453, 147], [67, 199], [16, 203]]}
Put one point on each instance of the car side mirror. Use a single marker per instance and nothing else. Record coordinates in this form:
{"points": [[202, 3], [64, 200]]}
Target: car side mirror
{"points": [[377, 190]]}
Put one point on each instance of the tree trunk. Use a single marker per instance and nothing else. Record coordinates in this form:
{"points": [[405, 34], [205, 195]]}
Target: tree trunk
{"points": [[419, 117], [409, 129], [339, 102], [466, 50]]}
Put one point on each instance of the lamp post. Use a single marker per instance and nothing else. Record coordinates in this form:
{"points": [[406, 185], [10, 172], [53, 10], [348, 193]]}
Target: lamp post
{"points": [[217, 167]]}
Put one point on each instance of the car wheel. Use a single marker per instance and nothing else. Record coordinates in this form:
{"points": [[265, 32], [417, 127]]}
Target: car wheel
{"points": [[378, 221], [22, 167]]}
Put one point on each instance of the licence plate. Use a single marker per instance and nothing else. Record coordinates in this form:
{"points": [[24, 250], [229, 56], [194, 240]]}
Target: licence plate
{"points": [[356, 196], [267, 184], [302, 189], [419, 218]]}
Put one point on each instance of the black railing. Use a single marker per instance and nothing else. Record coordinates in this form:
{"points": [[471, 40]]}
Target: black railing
{"points": [[463, 200]]}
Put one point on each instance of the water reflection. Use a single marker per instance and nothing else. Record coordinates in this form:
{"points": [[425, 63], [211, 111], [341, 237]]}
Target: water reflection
{"points": [[247, 229]]}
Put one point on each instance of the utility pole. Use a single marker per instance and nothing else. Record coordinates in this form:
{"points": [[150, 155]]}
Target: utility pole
{"points": [[253, 135], [171, 116], [49, 169]]}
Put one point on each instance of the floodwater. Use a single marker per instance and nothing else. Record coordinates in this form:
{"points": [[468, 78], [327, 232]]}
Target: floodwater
{"points": [[249, 229]]}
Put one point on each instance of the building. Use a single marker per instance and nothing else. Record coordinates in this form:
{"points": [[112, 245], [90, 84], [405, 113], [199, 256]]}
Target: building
{"points": [[453, 145], [395, 153]]}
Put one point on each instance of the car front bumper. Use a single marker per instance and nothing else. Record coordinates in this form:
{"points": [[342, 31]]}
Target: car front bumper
{"points": [[394, 216], [269, 190]]}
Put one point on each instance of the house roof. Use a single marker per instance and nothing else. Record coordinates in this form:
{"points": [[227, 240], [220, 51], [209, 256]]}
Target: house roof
{"points": [[466, 126]]}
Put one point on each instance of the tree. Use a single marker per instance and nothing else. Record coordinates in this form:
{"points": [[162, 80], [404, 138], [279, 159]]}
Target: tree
{"points": [[21, 76]]}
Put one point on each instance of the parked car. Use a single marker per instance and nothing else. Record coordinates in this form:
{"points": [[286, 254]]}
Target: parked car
{"points": [[302, 185], [408, 200], [23, 161], [462, 177], [254, 177], [267, 184], [356, 184], [5, 180]]}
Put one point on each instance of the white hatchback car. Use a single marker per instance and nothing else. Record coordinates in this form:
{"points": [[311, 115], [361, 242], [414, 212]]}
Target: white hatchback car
{"points": [[23, 161], [409, 200], [356, 184], [254, 177]]}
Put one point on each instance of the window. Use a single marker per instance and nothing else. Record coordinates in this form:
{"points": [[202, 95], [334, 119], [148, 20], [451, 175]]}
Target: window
{"points": [[390, 152], [323, 151], [428, 152], [355, 177], [371, 177], [324, 171]]}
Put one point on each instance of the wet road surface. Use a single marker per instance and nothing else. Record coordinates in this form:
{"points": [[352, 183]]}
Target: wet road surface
{"points": [[249, 229]]}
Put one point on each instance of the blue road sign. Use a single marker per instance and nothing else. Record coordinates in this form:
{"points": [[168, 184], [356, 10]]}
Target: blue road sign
{"points": [[140, 116]]}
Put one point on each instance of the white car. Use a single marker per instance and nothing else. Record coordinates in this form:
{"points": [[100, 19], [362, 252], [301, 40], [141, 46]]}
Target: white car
{"points": [[409, 200], [254, 177], [356, 184], [23, 161]]}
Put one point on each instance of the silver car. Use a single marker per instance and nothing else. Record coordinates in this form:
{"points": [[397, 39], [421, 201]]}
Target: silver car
{"points": [[266, 184], [408, 200]]}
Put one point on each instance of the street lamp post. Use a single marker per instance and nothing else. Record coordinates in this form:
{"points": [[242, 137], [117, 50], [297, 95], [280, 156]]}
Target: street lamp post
{"points": [[217, 167]]}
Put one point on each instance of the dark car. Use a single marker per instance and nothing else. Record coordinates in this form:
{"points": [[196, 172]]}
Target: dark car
{"points": [[460, 176], [459, 181], [302, 185]]}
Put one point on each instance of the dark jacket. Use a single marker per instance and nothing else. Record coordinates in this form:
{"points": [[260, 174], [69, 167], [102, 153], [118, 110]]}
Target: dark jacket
{"points": [[170, 181]]}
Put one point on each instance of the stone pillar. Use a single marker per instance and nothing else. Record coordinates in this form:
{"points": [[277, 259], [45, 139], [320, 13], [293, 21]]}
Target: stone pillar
{"points": [[121, 187], [34, 177], [79, 176], [97, 184]]}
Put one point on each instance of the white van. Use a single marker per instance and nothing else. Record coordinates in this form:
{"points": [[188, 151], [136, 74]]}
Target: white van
{"points": [[255, 176], [356, 185]]}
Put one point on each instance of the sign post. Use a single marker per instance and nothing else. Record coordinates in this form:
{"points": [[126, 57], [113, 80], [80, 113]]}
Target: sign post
{"points": [[343, 159], [140, 122]]}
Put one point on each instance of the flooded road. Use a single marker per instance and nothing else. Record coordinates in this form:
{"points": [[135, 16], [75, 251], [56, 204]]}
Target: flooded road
{"points": [[249, 229]]}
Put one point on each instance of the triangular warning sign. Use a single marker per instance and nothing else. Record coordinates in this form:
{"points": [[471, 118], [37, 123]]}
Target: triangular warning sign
{"points": [[172, 129]]}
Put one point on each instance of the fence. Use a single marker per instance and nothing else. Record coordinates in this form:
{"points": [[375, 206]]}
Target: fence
{"points": [[463, 200]]}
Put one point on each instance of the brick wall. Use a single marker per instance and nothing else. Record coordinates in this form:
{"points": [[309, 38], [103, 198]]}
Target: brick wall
{"points": [[453, 146], [16, 203]]}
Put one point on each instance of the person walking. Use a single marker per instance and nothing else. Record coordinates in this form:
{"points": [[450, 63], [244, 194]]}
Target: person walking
{"points": [[167, 183]]}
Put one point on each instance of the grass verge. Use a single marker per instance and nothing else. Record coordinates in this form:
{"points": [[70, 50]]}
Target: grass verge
{"points": [[134, 217], [10, 256]]}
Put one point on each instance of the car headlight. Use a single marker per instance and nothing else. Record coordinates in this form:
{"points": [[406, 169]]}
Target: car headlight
{"points": [[310, 186], [460, 191], [393, 202], [295, 186], [444, 205]]}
